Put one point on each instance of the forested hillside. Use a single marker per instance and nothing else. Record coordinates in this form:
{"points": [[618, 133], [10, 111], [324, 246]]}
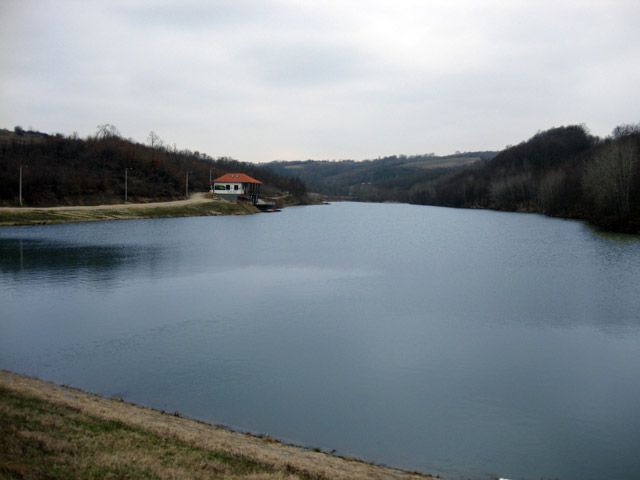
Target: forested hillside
{"points": [[562, 172], [383, 179], [565, 172], [62, 170]]}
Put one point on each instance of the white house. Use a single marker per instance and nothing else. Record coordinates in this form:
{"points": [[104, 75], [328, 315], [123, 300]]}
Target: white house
{"points": [[232, 186]]}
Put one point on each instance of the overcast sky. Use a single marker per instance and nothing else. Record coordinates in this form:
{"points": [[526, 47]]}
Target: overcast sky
{"points": [[264, 80]]}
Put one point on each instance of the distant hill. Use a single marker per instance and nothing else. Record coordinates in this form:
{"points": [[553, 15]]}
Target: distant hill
{"points": [[61, 170], [388, 178], [564, 171]]}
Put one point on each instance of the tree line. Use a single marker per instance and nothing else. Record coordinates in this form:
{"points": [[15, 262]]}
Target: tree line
{"points": [[565, 172], [383, 179], [68, 170]]}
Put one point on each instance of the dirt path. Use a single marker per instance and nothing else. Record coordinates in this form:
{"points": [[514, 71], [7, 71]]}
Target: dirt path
{"points": [[192, 200], [199, 204]]}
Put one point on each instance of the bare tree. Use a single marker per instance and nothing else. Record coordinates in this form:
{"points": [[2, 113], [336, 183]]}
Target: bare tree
{"points": [[512, 191], [107, 130], [626, 130], [609, 178], [154, 139], [550, 190]]}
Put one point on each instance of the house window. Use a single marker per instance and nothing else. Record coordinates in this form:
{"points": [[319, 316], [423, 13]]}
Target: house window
{"points": [[235, 187], [228, 187]]}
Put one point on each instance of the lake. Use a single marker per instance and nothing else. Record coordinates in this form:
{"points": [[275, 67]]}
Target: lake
{"points": [[470, 344]]}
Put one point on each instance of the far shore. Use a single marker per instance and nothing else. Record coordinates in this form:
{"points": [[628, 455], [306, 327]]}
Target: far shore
{"points": [[63, 432], [199, 204]]}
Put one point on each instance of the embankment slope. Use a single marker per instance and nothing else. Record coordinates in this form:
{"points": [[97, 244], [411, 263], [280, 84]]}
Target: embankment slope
{"points": [[199, 204], [61, 432]]}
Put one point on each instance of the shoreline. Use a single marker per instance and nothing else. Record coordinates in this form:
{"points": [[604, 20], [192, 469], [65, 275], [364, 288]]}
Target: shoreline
{"points": [[600, 228], [200, 204], [67, 407]]}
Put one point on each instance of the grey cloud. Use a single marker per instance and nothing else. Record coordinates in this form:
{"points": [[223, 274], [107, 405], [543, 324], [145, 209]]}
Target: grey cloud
{"points": [[339, 80], [196, 14], [306, 64]]}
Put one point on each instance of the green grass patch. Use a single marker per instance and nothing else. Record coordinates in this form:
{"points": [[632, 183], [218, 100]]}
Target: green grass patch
{"points": [[40, 439]]}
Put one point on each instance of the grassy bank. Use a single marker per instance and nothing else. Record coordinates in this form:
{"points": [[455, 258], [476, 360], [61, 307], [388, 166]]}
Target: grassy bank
{"points": [[200, 206], [53, 432]]}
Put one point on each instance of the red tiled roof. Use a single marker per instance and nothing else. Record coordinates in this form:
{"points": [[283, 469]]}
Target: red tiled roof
{"points": [[236, 177]]}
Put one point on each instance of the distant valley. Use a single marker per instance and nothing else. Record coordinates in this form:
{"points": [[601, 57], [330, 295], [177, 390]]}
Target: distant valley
{"points": [[564, 172]]}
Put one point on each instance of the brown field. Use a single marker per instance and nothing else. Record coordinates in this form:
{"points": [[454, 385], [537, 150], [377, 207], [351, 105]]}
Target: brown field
{"points": [[449, 162], [56, 432]]}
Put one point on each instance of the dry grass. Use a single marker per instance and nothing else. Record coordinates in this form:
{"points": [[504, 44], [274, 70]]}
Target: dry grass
{"points": [[435, 163], [197, 205], [48, 431]]}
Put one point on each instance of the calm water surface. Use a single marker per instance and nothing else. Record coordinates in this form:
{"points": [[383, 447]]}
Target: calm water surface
{"points": [[464, 343]]}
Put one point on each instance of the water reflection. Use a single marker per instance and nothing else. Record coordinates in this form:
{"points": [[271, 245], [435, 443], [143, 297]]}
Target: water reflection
{"points": [[451, 341], [34, 260], [624, 238]]}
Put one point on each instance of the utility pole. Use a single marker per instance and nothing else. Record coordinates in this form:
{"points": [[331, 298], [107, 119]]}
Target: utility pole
{"points": [[20, 184], [20, 190], [187, 185], [210, 186], [126, 192]]}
